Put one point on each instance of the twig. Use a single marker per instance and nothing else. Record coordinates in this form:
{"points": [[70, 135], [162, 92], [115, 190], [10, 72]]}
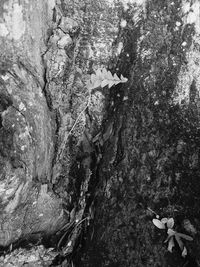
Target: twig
{"points": [[60, 153], [157, 216]]}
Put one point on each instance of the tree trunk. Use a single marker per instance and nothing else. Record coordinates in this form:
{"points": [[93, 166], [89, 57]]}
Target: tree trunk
{"points": [[91, 158], [28, 128]]}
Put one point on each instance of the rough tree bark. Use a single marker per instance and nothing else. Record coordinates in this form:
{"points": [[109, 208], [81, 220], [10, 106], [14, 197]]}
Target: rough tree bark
{"points": [[46, 154], [109, 158], [27, 125], [150, 162]]}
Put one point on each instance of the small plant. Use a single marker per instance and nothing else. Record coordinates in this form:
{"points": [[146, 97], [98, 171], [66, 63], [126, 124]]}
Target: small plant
{"points": [[103, 77], [168, 224]]}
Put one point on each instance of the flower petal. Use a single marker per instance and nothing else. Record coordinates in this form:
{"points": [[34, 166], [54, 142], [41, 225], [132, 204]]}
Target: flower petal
{"points": [[179, 241], [158, 224], [164, 220], [184, 252], [171, 232], [187, 237], [171, 244], [170, 223]]}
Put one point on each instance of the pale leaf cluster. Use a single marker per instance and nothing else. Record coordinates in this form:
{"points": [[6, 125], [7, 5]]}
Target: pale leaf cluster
{"points": [[103, 77], [168, 223]]}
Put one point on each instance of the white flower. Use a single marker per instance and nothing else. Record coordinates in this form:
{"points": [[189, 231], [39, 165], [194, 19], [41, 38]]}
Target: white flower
{"points": [[166, 223], [161, 223]]}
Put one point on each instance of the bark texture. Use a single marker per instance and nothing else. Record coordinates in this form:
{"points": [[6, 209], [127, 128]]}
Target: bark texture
{"points": [[107, 158], [151, 158], [47, 122], [28, 127]]}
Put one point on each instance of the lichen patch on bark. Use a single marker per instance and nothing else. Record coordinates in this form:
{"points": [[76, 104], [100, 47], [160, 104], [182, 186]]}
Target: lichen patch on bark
{"points": [[13, 23], [189, 76]]}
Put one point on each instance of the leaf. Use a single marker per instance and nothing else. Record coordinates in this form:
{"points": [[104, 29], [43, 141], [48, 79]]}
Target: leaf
{"points": [[98, 73], [96, 84], [184, 252], [167, 239], [164, 220], [116, 77], [170, 223], [171, 244], [116, 82], [109, 75], [104, 83], [187, 237], [104, 72], [179, 241], [110, 83], [158, 224], [102, 78], [123, 79], [171, 232]]}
